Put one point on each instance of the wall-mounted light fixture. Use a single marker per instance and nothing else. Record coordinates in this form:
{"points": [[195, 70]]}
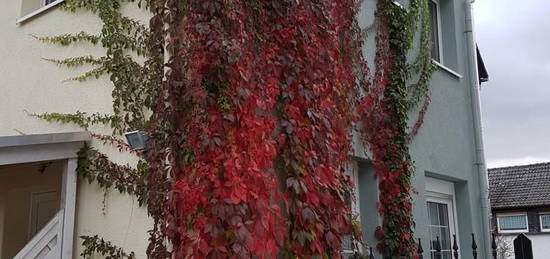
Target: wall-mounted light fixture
{"points": [[137, 139]]}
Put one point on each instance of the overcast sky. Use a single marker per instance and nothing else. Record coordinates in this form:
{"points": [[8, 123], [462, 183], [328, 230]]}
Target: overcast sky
{"points": [[514, 39]]}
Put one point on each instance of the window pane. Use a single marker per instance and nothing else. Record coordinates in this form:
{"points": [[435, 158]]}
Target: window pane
{"points": [[445, 239], [434, 24], [434, 232], [443, 214], [433, 213], [438, 214], [512, 222], [545, 219]]}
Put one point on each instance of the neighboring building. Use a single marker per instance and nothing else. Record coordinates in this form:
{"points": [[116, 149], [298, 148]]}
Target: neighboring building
{"points": [[38, 159], [520, 203]]}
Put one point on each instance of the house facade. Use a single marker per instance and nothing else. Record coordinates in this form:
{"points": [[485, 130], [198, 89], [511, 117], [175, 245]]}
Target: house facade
{"points": [[520, 204], [38, 159]]}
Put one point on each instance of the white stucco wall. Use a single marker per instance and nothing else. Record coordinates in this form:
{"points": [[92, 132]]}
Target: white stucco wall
{"points": [[541, 245], [30, 84], [540, 242]]}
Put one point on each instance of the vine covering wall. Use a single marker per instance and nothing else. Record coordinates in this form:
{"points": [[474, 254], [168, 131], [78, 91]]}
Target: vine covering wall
{"points": [[384, 115], [252, 106]]}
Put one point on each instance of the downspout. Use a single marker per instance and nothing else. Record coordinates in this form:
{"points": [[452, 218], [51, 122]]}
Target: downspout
{"points": [[476, 113]]}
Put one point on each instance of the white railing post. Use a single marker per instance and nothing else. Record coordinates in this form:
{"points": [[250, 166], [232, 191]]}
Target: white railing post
{"points": [[46, 243]]}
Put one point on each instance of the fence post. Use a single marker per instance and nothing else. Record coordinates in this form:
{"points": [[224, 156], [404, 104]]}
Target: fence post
{"points": [[455, 247], [474, 246], [419, 249], [494, 247]]}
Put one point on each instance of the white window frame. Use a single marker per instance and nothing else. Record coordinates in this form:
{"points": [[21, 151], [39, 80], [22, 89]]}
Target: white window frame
{"points": [[450, 212], [524, 214], [440, 191], [38, 11], [43, 4], [440, 46], [542, 229], [439, 32]]}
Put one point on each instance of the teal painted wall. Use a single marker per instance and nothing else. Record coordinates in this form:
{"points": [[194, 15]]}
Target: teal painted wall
{"points": [[444, 147]]}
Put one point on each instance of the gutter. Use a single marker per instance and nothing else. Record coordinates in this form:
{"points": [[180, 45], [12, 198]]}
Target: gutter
{"points": [[476, 115]]}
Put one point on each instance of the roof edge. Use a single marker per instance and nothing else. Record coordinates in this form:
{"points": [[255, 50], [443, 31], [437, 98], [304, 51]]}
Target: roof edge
{"points": [[38, 139], [518, 166]]}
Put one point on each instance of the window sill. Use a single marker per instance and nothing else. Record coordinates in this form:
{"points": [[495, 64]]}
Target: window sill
{"points": [[36, 12], [515, 234], [448, 70], [513, 231]]}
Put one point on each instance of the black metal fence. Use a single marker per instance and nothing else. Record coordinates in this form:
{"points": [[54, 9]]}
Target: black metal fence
{"points": [[437, 252]]}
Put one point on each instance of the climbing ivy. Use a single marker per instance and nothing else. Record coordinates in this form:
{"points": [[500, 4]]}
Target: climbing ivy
{"points": [[96, 167], [97, 245], [123, 39], [134, 90], [82, 119], [385, 111], [249, 118]]}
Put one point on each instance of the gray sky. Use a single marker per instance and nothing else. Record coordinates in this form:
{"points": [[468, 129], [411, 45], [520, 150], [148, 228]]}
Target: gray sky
{"points": [[514, 39]]}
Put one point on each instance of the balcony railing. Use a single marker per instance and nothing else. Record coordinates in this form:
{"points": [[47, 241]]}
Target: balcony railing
{"points": [[46, 243]]}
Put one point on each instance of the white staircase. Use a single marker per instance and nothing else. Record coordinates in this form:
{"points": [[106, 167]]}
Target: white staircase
{"points": [[46, 244]]}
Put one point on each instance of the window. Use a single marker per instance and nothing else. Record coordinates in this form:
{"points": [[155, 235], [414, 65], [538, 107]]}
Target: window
{"points": [[443, 37], [545, 222], [512, 223], [435, 24], [440, 196], [440, 228], [31, 8]]}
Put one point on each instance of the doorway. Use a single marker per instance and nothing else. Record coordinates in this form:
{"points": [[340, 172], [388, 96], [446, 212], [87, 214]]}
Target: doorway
{"points": [[29, 199]]}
